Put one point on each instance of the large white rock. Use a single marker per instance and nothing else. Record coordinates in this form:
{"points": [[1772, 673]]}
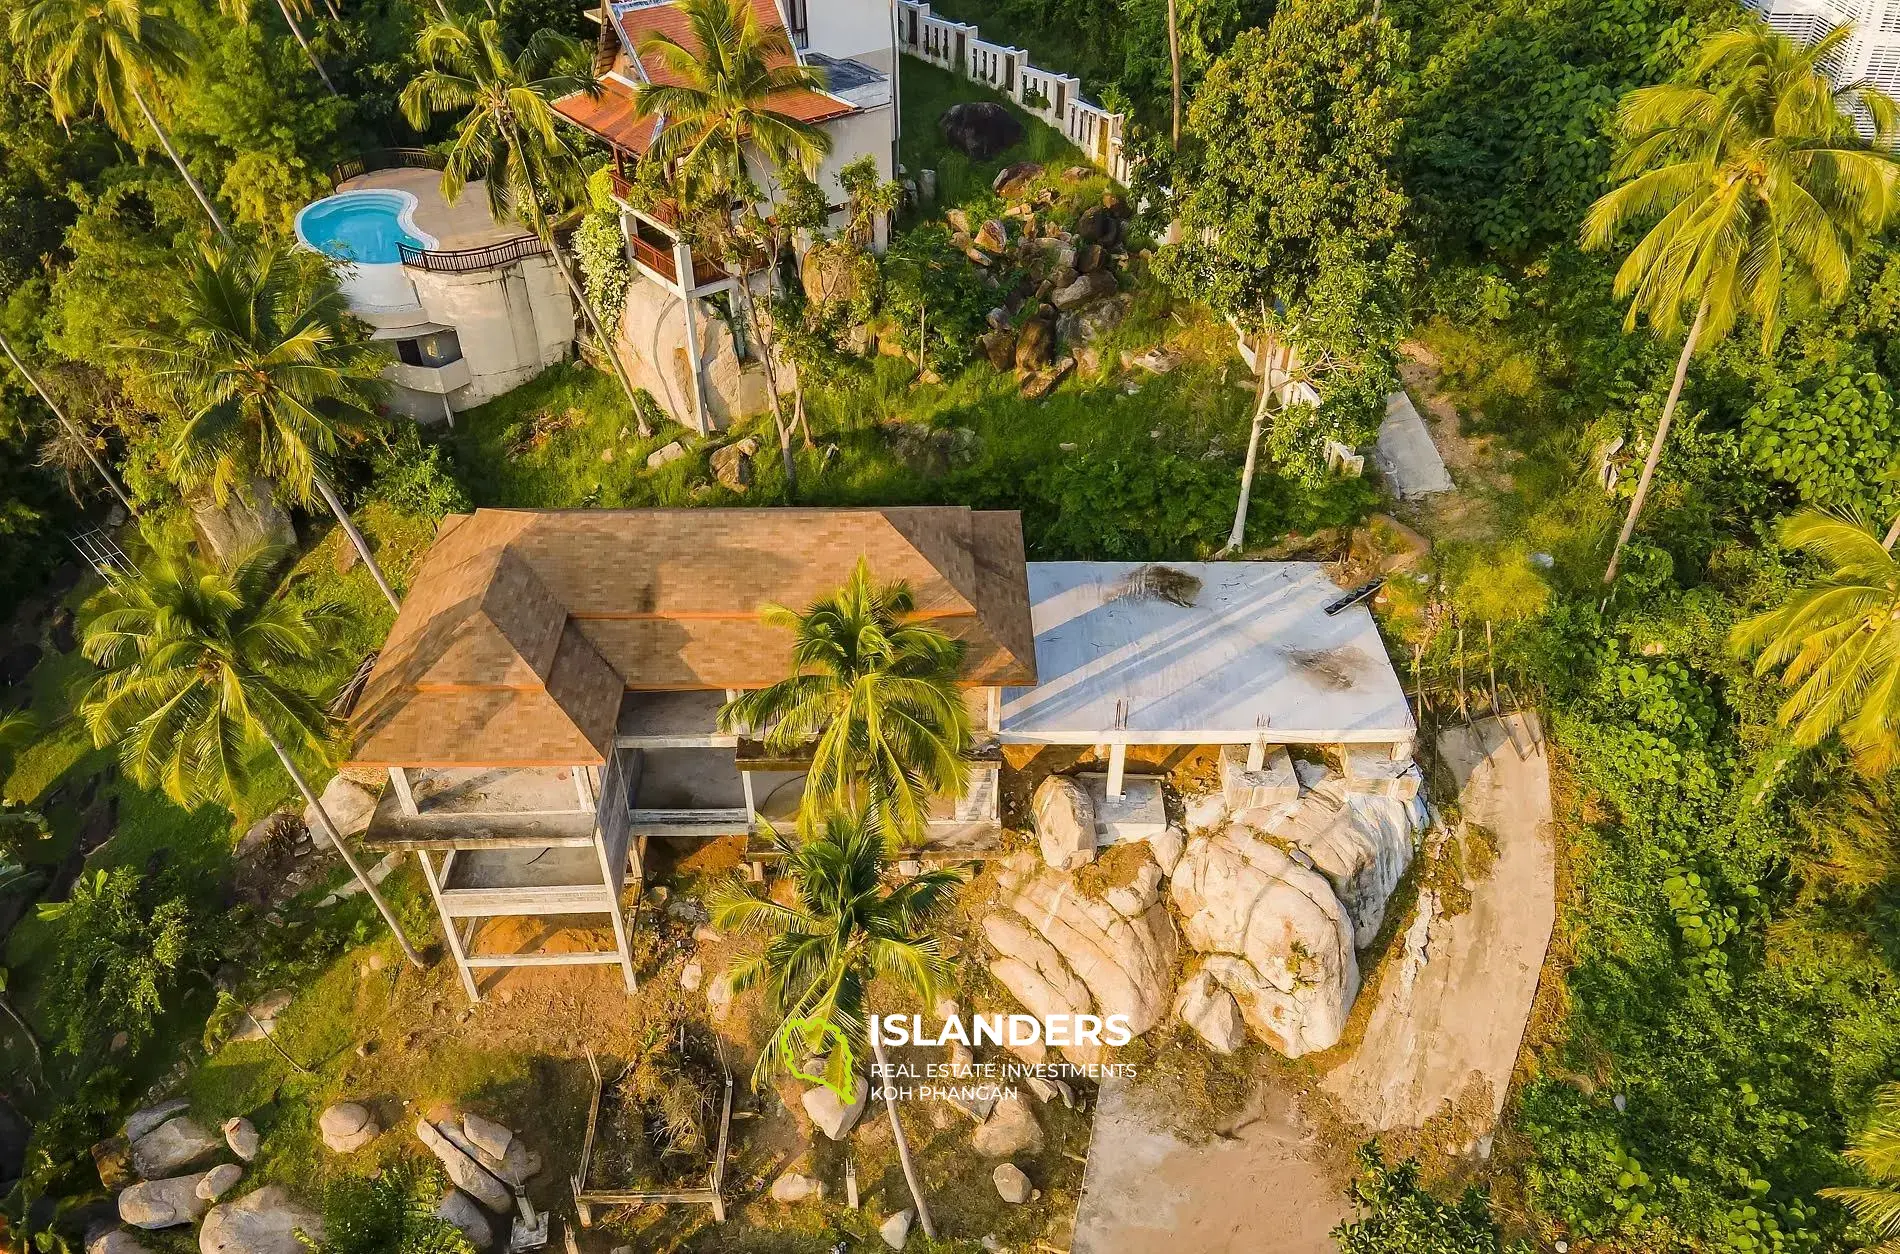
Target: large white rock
{"points": [[830, 1113], [349, 806], [153, 1204], [115, 1241], [462, 1211], [1166, 846], [792, 1187], [1275, 935], [1010, 1130], [896, 1229], [1064, 952], [143, 1121], [487, 1135], [219, 1181], [172, 1146], [1210, 1010], [1065, 822], [264, 1222], [463, 1171], [348, 1127], [241, 1135], [1361, 842]]}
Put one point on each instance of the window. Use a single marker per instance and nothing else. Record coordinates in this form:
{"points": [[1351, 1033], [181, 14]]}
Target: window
{"points": [[795, 16], [438, 348]]}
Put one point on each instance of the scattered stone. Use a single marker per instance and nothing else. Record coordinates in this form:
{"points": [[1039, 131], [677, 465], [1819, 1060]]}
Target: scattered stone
{"points": [[692, 975], [707, 934], [143, 1121], [993, 238], [1035, 344], [1089, 258], [347, 1127], [1013, 180], [927, 185], [115, 1241], [113, 1158], [264, 1222], [665, 454], [1211, 1011], [172, 1146], [261, 1017], [1065, 823], [977, 256], [896, 1229], [719, 996], [1043, 382], [154, 1204], [979, 128], [463, 1213], [829, 1112], [241, 1136], [959, 221], [463, 1171], [1085, 288], [1155, 360], [1099, 226], [1094, 320], [1011, 1184], [1011, 1129], [999, 347], [346, 558], [732, 464], [1118, 205], [792, 1187], [219, 1181], [486, 1135]]}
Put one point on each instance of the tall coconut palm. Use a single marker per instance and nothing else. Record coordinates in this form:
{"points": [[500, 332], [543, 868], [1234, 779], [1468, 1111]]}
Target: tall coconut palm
{"points": [[508, 137], [271, 377], [1875, 1149], [1836, 642], [876, 698], [240, 11], [200, 668], [109, 55], [846, 924], [1758, 191], [718, 104]]}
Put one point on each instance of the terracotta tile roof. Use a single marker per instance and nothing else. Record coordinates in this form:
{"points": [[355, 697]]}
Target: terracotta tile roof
{"points": [[611, 116], [523, 628]]}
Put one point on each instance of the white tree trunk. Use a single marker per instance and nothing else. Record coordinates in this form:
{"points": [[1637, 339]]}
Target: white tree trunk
{"points": [[283, 7], [903, 1146], [1656, 444], [84, 442], [165, 141], [356, 537], [349, 859], [1238, 535]]}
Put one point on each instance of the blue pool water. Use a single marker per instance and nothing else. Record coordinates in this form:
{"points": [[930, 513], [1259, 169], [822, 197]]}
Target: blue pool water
{"points": [[363, 227]]}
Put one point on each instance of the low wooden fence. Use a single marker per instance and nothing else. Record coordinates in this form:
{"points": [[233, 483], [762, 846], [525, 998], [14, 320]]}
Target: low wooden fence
{"points": [[385, 159], [586, 1198], [1055, 98]]}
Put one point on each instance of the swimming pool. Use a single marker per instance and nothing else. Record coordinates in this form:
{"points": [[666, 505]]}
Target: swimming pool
{"points": [[364, 227]]}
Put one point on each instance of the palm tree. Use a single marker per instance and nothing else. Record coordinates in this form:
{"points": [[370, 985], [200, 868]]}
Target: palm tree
{"points": [[199, 667], [509, 138], [1875, 1149], [75, 437], [728, 74], [109, 54], [879, 697], [1174, 69], [272, 377], [844, 927], [1837, 642], [1759, 191], [240, 11]]}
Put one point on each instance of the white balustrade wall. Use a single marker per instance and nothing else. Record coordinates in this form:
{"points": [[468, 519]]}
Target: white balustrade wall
{"points": [[1055, 98]]}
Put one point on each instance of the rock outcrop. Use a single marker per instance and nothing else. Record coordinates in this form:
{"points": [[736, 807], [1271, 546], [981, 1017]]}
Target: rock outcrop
{"points": [[1062, 952], [264, 1222], [1211, 1011], [1274, 934], [1361, 842], [463, 1171], [830, 1114], [349, 805], [347, 1127], [979, 128], [172, 1146], [1065, 822], [461, 1211], [155, 1204]]}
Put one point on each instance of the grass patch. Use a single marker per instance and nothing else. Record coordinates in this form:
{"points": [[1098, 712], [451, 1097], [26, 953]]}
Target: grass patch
{"points": [[962, 180]]}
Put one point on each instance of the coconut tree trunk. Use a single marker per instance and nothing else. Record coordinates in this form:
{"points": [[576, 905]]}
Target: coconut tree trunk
{"points": [[165, 142], [1174, 66], [605, 341], [1656, 444], [771, 380], [903, 1146], [1238, 535], [1893, 533], [336, 838], [92, 456], [289, 20], [356, 537]]}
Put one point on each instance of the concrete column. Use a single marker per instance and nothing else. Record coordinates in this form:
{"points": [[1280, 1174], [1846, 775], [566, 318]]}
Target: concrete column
{"points": [[1117, 763], [1256, 755], [583, 788], [683, 269], [751, 804], [993, 710], [405, 797]]}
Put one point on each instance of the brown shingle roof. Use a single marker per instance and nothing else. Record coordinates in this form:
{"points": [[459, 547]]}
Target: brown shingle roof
{"points": [[523, 627]]}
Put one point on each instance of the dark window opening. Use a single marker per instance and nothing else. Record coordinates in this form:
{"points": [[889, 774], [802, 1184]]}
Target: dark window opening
{"points": [[438, 348]]}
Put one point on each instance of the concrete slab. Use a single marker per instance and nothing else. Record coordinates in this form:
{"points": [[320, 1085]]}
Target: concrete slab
{"points": [[1262, 1189], [1450, 1017], [1135, 815], [1406, 455], [1255, 658]]}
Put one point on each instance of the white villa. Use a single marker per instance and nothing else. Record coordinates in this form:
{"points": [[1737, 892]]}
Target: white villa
{"points": [[681, 334], [471, 306]]}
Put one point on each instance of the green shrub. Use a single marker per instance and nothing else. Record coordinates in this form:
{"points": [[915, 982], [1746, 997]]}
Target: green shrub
{"points": [[1396, 1216], [415, 477], [392, 1212], [122, 942], [602, 251]]}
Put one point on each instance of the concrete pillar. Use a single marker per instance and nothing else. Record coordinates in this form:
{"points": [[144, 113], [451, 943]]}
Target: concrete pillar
{"points": [[1256, 755], [1117, 763], [456, 949], [683, 270], [583, 788], [751, 805], [405, 797], [993, 710]]}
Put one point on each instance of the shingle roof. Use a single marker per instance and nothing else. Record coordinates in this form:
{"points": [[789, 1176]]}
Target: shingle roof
{"points": [[523, 628]]}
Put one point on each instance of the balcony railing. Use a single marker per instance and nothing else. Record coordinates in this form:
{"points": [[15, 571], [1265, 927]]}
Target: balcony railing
{"points": [[465, 260], [386, 159], [660, 261]]}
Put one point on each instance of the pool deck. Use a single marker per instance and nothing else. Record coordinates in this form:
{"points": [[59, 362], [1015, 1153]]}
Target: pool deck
{"points": [[464, 224]]}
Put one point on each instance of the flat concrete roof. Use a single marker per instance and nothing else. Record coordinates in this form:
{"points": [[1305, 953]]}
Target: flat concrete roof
{"points": [[1255, 658]]}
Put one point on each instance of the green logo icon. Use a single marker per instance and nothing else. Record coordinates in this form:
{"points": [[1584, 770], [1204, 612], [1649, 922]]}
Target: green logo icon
{"points": [[805, 1042]]}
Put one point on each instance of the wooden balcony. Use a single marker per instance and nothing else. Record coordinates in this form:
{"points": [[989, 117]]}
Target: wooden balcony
{"points": [[660, 261]]}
